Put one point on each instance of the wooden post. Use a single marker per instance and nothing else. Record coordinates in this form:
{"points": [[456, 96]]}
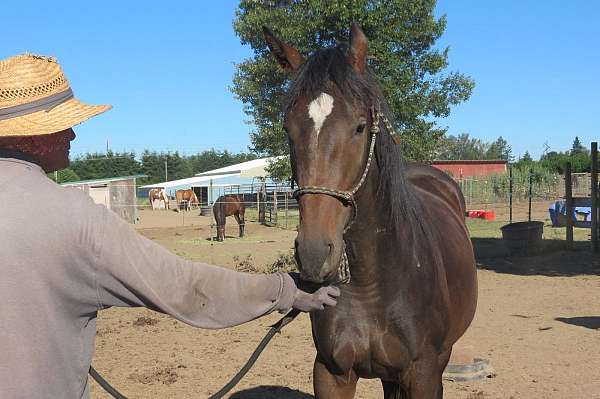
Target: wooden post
{"points": [[262, 195], [510, 194], [569, 204], [594, 195], [530, 194], [275, 210], [286, 210]]}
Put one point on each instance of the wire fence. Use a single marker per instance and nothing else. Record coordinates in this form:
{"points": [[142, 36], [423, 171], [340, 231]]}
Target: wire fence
{"points": [[512, 197], [515, 196]]}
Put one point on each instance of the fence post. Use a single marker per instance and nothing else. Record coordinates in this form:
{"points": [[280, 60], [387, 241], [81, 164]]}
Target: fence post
{"points": [[569, 205], [262, 195], [530, 194], [286, 210], [275, 210], [510, 194], [594, 195]]}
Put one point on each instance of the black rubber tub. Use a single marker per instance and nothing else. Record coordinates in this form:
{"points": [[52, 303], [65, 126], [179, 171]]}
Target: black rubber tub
{"points": [[523, 238]]}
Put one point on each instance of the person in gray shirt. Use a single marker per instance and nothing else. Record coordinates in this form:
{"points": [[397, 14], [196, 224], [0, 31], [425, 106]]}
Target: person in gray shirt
{"points": [[64, 258]]}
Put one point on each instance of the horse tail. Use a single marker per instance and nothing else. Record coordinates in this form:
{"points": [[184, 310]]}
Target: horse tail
{"points": [[219, 211]]}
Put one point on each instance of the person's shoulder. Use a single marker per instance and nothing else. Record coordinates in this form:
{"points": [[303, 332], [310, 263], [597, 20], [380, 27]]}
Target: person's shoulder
{"points": [[71, 199]]}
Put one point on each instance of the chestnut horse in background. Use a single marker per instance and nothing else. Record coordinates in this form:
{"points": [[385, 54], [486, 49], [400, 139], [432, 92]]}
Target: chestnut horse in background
{"points": [[412, 291], [229, 205], [185, 199]]}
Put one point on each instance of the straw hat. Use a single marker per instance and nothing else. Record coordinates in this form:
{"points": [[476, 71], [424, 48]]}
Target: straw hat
{"points": [[36, 99]]}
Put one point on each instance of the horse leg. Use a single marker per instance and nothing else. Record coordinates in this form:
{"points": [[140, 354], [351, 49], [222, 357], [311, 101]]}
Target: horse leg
{"points": [[330, 386], [393, 390], [240, 223], [426, 378], [243, 224]]}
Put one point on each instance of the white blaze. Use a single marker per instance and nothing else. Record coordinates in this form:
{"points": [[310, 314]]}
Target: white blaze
{"points": [[319, 109]]}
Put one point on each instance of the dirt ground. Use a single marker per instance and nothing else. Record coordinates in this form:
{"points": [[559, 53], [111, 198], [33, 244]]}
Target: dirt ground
{"points": [[538, 322]]}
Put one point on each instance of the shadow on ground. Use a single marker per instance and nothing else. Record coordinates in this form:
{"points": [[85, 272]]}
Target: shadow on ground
{"points": [[552, 260], [591, 322], [270, 392]]}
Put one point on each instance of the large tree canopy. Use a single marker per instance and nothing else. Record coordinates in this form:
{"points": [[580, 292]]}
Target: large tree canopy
{"points": [[402, 56]]}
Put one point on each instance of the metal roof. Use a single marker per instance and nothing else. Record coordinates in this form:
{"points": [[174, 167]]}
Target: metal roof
{"points": [[253, 168], [99, 181]]}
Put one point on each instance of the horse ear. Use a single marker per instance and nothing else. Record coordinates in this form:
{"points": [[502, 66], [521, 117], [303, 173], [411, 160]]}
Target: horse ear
{"points": [[359, 45], [288, 57]]}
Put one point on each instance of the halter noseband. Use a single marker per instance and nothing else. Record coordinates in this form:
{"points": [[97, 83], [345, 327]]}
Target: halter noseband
{"points": [[348, 197]]}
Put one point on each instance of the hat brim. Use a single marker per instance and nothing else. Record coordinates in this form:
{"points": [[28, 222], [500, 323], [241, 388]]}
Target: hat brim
{"points": [[64, 116]]}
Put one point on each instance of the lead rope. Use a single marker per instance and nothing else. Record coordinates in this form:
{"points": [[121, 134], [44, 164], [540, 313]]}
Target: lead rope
{"points": [[275, 328], [343, 278]]}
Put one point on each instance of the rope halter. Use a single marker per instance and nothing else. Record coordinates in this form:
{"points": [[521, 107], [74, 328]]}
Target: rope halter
{"points": [[348, 197]]}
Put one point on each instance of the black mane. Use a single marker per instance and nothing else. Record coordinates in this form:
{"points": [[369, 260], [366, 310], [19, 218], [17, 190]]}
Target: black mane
{"points": [[329, 67]]}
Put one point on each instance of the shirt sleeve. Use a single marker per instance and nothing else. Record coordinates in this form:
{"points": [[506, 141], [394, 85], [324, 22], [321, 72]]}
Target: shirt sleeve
{"points": [[131, 270]]}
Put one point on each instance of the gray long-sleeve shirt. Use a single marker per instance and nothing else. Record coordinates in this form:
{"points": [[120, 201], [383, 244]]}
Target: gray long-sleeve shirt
{"points": [[63, 258]]}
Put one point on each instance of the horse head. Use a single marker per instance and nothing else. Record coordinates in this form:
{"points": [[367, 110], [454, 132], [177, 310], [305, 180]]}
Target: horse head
{"points": [[328, 118]]}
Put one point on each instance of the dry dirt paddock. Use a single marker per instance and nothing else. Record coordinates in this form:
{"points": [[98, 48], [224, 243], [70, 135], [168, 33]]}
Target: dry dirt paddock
{"points": [[538, 322]]}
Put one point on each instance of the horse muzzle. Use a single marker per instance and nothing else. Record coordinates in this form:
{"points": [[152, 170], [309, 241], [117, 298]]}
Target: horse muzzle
{"points": [[318, 260]]}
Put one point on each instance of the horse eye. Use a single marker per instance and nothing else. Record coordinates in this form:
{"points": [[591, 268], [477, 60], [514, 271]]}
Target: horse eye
{"points": [[361, 127]]}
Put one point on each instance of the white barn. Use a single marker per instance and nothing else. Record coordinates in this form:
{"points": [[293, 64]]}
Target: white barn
{"points": [[214, 183]]}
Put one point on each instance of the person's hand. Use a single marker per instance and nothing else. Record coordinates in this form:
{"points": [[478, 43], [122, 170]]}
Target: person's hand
{"points": [[324, 296]]}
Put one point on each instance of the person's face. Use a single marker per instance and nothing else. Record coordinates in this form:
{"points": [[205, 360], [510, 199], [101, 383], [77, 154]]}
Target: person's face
{"points": [[50, 151], [54, 150]]}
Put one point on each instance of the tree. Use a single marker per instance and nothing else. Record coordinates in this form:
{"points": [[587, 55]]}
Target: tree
{"points": [[153, 165], [462, 147], [499, 149], [577, 147], [525, 162], [526, 157], [212, 159], [67, 175], [280, 170], [99, 166], [403, 58], [64, 176]]}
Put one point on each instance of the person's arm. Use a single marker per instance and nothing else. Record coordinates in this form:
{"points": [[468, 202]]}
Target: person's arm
{"points": [[131, 270]]}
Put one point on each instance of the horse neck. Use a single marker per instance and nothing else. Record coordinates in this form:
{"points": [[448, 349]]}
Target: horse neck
{"points": [[364, 236], [370, 241]]}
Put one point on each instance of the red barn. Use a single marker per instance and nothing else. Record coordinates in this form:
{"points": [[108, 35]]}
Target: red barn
{"points": [[468, 168]]}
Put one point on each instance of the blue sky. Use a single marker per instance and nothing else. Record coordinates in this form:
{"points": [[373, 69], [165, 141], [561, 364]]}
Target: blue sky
{"points": [[166, 67]]}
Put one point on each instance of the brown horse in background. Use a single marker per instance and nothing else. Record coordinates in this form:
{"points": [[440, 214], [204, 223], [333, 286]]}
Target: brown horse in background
{"points": [[412, 291], [186, 199], [229, 205]]}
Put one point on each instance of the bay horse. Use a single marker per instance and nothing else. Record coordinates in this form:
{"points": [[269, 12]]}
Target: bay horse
{"points": [[160, 195], [400, 229], [185, 199], [229, 205]]}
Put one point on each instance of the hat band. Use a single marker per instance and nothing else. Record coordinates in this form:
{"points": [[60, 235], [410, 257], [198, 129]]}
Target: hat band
{"points": [[43, 104]]}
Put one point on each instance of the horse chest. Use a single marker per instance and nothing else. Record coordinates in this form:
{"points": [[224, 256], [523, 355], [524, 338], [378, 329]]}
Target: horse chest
{"points": [[357, 335]]}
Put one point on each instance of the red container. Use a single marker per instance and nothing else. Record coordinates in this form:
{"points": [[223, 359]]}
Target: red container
{"points": [[481, 214], [489, 215]]}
